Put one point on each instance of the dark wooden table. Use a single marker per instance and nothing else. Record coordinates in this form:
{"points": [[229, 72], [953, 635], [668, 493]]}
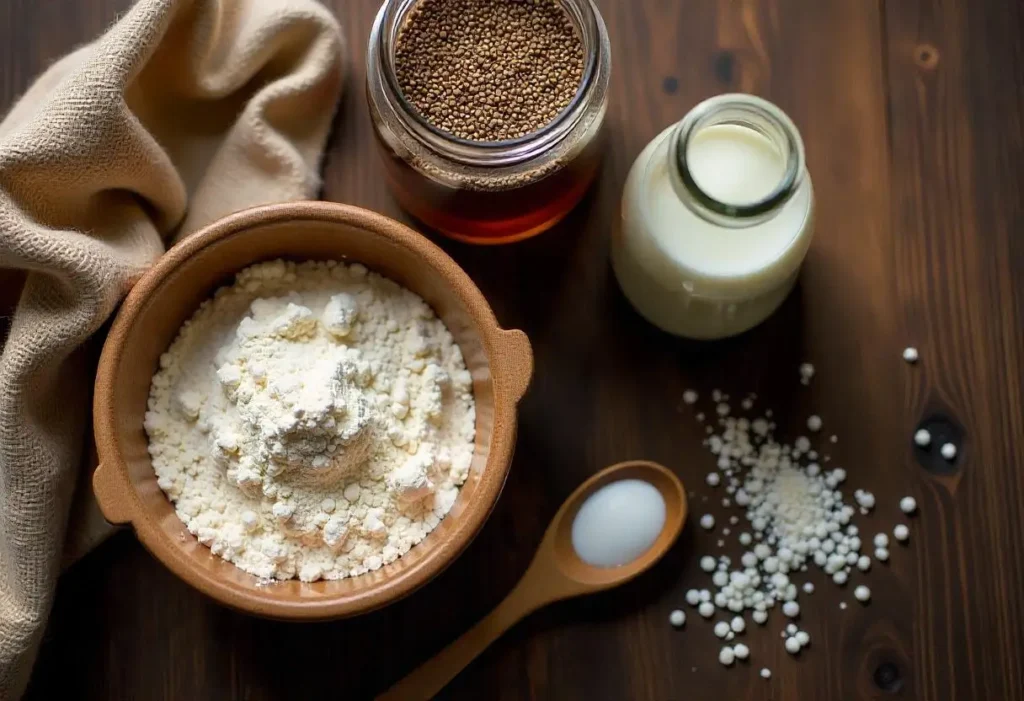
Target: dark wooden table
{"points": [[912, 113]]}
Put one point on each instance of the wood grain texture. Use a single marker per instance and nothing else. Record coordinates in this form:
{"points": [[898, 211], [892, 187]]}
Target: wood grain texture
{"points": [[913, 117]]}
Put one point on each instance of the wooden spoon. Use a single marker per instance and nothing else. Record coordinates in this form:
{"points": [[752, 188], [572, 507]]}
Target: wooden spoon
{"points": [[556, 573]]}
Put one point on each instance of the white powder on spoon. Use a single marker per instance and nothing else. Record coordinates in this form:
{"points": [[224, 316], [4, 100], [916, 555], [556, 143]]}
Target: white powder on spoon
{"points": [[311, 420]]}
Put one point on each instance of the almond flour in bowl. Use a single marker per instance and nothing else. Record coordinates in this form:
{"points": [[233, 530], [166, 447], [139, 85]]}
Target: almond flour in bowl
{"points": [[311, 420]]}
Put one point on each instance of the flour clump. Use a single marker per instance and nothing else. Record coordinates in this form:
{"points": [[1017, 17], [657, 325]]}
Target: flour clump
{"points": [[312, 420]]}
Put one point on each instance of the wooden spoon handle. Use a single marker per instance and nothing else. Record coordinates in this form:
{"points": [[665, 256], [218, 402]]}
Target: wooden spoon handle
{"points": [[427, 680]]}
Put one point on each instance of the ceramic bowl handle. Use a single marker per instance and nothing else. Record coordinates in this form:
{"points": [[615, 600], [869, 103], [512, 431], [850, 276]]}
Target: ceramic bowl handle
{"points": [[515, 356], [112, 495]]}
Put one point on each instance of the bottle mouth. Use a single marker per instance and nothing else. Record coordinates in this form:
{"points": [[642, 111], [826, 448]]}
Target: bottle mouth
{"points": [[751, 113], [587, 23]]}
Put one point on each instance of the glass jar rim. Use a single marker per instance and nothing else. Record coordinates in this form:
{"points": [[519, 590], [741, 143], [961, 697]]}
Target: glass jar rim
{"points": [[707, 206], [588, 22]]}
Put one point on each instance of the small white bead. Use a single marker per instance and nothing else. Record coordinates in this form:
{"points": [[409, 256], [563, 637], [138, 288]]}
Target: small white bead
{"points": [[792, 645], [948, 451], [693, 597], [881, 554], [690, 397], [803, 637], [901, 532], [806, 372], [738, 625], [766, 673], [908, 505], [745, 539], [741, 651], [726, 656], [814, 422], [791, 609], [863, 563], [706, 609], [922, 437], [707, 522], [881, 540], [842, 604], [713, 479], [707, 563], [759, 617], [705, 595], [839, 578], [910, 354], [720, 578], [862, 593], [677, 618], [721, 629]]}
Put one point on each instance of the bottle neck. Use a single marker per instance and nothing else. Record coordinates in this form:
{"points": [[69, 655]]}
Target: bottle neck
{"points": [[769, 125]]}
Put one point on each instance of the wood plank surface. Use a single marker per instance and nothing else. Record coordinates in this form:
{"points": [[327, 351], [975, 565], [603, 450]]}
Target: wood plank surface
{"points": [[912, 112]]}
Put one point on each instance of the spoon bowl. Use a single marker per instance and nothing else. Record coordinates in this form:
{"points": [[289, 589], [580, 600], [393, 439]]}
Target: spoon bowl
{"points": [[576, 577], [556, 573]]}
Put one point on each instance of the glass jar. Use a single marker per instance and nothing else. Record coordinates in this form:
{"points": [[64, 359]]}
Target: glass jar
{"points": [[488, 192], [717, 216]]}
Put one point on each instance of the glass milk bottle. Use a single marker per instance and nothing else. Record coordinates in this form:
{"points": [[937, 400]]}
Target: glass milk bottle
{"points": [[717, 215]]}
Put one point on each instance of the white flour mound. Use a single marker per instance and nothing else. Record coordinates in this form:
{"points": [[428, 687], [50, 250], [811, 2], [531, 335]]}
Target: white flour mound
{"points": [[312, 420]]}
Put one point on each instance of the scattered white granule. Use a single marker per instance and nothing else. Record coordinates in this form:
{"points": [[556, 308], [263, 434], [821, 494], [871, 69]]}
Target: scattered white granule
{"points": [[866, 500], [901, 532], [908, 505], [726, 656], [862, 594], [922, 437], [690, 397], [806, 373], [948, 451], [797, 519], [910, 354], [766, 673], [741, 651], [677, 618]]}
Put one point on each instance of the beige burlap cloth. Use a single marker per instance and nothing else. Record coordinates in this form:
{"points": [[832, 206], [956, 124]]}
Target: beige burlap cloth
{"points": [[184, 111]]}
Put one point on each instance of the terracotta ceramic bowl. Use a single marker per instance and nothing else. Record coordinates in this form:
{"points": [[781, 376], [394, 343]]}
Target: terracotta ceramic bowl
{"points": [[125, 485]]}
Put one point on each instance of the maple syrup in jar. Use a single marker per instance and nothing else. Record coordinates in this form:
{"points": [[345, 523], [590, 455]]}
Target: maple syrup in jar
{"points": [[488, 113]]}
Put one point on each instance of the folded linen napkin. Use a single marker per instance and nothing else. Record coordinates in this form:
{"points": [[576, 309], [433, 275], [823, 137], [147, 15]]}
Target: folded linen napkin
{"points": [[184, 111]]}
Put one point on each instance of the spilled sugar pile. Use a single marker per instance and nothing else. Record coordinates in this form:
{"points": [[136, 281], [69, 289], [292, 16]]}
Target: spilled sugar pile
{"points": [[792, 518]]}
